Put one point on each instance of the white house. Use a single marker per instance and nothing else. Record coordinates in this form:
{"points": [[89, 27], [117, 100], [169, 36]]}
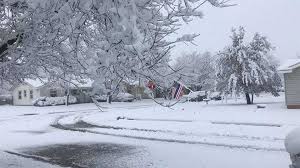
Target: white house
{"points": [[30, 90], [291, 72], [25, 93]]}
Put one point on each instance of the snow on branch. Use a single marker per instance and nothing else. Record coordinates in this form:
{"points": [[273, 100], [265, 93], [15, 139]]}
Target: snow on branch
{"points": [[187, 38]]}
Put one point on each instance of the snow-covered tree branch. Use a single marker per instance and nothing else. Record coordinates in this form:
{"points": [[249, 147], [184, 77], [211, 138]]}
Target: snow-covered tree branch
{"points": [[106, 40], [247, 68], [197, 70]]}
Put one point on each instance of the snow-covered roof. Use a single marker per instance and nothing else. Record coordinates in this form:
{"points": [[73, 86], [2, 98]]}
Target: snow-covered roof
{"points": [[38, 82], [289, 65], [35, 82]]}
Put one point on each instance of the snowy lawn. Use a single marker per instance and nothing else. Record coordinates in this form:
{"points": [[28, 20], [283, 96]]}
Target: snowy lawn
{"points": [[218, 124], [191, 134]]}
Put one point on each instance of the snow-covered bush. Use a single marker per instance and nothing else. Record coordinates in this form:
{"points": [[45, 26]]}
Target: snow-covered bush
{"points": [[292, 145], [52, 101]]}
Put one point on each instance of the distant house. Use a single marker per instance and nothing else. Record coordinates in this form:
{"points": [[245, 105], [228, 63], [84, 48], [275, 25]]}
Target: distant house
{"points": [[291, 73], [30, 90], [138, 90]]}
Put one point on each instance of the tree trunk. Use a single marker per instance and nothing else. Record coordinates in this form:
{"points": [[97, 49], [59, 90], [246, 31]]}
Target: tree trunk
{"points": [[68, 96], [248, 98], [252, 98], [109, 97]]}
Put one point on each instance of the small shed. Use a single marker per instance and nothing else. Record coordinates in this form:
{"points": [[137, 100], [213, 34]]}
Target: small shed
{"points": [[291, 72]]}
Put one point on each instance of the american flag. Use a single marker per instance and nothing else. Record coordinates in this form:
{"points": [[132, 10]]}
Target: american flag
{"points": [[177, 90]]}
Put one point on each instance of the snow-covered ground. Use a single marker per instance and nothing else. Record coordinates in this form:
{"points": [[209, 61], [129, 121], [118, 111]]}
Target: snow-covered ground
{"points": [[192, 134]]}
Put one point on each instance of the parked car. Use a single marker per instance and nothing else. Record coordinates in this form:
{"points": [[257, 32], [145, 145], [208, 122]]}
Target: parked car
{"points": [[6, 99], [100, 98], [215, 96], [123, 97], [281, 89], [196, 96], [120, 97]]}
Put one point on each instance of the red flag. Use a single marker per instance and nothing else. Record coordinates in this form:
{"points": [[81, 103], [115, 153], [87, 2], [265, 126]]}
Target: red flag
{"points": [[151, 85]]}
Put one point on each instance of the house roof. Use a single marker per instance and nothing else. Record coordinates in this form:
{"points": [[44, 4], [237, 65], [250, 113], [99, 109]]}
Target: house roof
{"points": [[38, 82], [35, 82], [289, 65]]}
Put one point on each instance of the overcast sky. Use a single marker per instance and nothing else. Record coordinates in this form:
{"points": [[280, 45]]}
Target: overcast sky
{"points": [[276, 19]]}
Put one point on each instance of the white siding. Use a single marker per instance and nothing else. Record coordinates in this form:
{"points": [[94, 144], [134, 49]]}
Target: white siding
{"points": [[25, 100], [292, 87]]}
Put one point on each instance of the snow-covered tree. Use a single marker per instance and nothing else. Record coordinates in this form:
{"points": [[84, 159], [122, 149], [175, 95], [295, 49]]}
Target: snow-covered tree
{"points": [[105, 40], [247, 68], [197, 70]]}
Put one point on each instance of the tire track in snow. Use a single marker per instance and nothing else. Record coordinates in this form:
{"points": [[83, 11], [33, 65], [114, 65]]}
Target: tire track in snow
{"points": [[246, 123], [72, 127], [202, 135], [217, 135], [151, 119], [213, 122]]}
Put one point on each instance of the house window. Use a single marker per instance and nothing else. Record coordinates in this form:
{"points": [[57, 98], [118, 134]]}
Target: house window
{"points": [[31, 94], [53, 93], [25, 93], [20, 94]]}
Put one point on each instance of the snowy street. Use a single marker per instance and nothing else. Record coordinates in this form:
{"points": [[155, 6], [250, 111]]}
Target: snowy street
{"points": [[146, 134]]}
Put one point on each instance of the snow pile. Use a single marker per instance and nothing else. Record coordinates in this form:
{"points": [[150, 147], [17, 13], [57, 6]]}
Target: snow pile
{"points": [[292, 142], [52, 101]]}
